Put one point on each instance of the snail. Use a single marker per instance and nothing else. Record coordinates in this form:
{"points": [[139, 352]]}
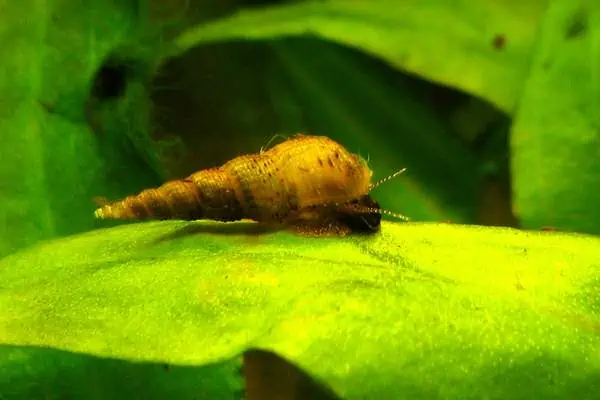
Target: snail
{"points": [[310, 183]]}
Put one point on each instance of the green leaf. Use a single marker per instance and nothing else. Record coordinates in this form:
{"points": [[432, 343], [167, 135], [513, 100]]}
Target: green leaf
{"points": [[42, 373], [424, 310], [555, 138], [52, 163], [454, 43]]}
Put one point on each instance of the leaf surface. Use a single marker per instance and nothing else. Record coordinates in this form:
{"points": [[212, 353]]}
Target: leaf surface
{"points": [[426, 310]]}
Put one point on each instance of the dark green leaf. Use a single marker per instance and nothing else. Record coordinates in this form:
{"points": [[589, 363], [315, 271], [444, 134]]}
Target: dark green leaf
{"points": [[43, 373]]}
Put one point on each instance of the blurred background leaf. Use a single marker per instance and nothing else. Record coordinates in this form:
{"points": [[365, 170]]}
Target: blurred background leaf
{"points": [[555, 140], [482, 47], [53, 163]]}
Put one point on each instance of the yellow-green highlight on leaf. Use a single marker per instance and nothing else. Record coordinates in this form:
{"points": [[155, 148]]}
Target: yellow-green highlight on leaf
{"points": [[424, 310], [40, 373], [448, 42], [555, 140]]}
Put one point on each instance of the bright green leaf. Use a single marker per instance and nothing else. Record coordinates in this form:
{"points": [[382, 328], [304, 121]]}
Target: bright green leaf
{"points": [[454, 43], [422, 310], [556, 135]]}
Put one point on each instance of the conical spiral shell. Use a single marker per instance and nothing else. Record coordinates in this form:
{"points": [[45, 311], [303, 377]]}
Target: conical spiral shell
{"points": [[292, 181]]}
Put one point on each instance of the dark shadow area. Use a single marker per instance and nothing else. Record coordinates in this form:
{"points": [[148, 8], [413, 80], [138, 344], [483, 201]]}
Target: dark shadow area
{"points": [[115, 111], [109, 84], [110, 81], [578, 26], [218, 228], [114, 74], [359, 223], [270, 377]]}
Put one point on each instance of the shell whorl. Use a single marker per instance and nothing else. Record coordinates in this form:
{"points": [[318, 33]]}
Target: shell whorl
{"points": [[200, 196]]}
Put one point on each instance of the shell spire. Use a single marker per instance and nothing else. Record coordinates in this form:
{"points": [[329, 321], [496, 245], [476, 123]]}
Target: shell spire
{"points": [[178, 199], [171, 200]]}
